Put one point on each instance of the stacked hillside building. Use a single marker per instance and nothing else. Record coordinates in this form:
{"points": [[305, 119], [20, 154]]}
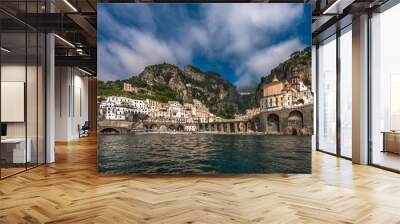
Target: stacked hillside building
{"points": [[121, 108], [277, 95]]}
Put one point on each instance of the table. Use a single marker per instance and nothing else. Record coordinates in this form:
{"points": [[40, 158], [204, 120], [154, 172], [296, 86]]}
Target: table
{"points": [[391, 141], [15, 148]]}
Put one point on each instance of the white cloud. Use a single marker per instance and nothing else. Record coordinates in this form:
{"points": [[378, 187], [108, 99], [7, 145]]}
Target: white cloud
{"points": [[127, 60], [239, 28], [198, 36], [133, 50], [230, 33], [262, 62]]}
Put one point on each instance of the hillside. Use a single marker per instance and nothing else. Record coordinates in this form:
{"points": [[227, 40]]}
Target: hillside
{"points": [[165, 82]]}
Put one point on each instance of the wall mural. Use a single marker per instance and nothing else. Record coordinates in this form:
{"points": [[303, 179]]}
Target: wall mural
{"points": [[204, 88]]}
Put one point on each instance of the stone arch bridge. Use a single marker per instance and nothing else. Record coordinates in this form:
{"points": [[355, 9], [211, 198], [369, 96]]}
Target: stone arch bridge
{"points": [[114, 127], [291, 121], [227, 126]]}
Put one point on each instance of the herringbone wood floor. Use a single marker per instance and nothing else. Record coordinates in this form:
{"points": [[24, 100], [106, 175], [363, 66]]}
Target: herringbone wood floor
{"points": [[70, 191]]}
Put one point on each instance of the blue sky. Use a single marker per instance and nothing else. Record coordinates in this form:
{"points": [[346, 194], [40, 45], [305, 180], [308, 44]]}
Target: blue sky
{"points": [[242, 41]]}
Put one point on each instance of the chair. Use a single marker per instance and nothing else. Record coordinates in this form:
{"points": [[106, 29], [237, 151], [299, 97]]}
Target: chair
{"points": [[84, 130]]}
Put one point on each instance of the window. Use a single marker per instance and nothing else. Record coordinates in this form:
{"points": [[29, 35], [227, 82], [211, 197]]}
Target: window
{"points": [[346, 92], [385, 89], [22, 74], [327, 95]]}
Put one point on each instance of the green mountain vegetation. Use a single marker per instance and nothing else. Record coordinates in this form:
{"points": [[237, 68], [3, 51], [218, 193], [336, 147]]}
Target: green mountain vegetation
{"points": [[298, 59]]}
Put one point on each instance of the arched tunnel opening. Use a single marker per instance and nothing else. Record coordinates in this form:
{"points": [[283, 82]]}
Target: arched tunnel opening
{"points": [[109, 131]]}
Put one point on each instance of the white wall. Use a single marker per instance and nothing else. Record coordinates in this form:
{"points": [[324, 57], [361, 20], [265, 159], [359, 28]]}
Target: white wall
{"points": [[61, 103], [80, 105], [33, 126], [17, 73], [71, 102], [12, 73]]}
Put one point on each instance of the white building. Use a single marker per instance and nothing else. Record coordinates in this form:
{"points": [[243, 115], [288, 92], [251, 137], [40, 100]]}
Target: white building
{"points": [[176, 110], [119, 107], [190, 128], [116, 113], [279, 95]]}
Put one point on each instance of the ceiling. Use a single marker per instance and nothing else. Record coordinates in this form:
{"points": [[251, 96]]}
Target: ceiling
{"points": [[75, 22]]}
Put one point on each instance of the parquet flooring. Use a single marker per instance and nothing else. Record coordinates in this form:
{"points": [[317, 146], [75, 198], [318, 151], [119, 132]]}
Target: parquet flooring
{"points": [[8, 171], [70, 191]]}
